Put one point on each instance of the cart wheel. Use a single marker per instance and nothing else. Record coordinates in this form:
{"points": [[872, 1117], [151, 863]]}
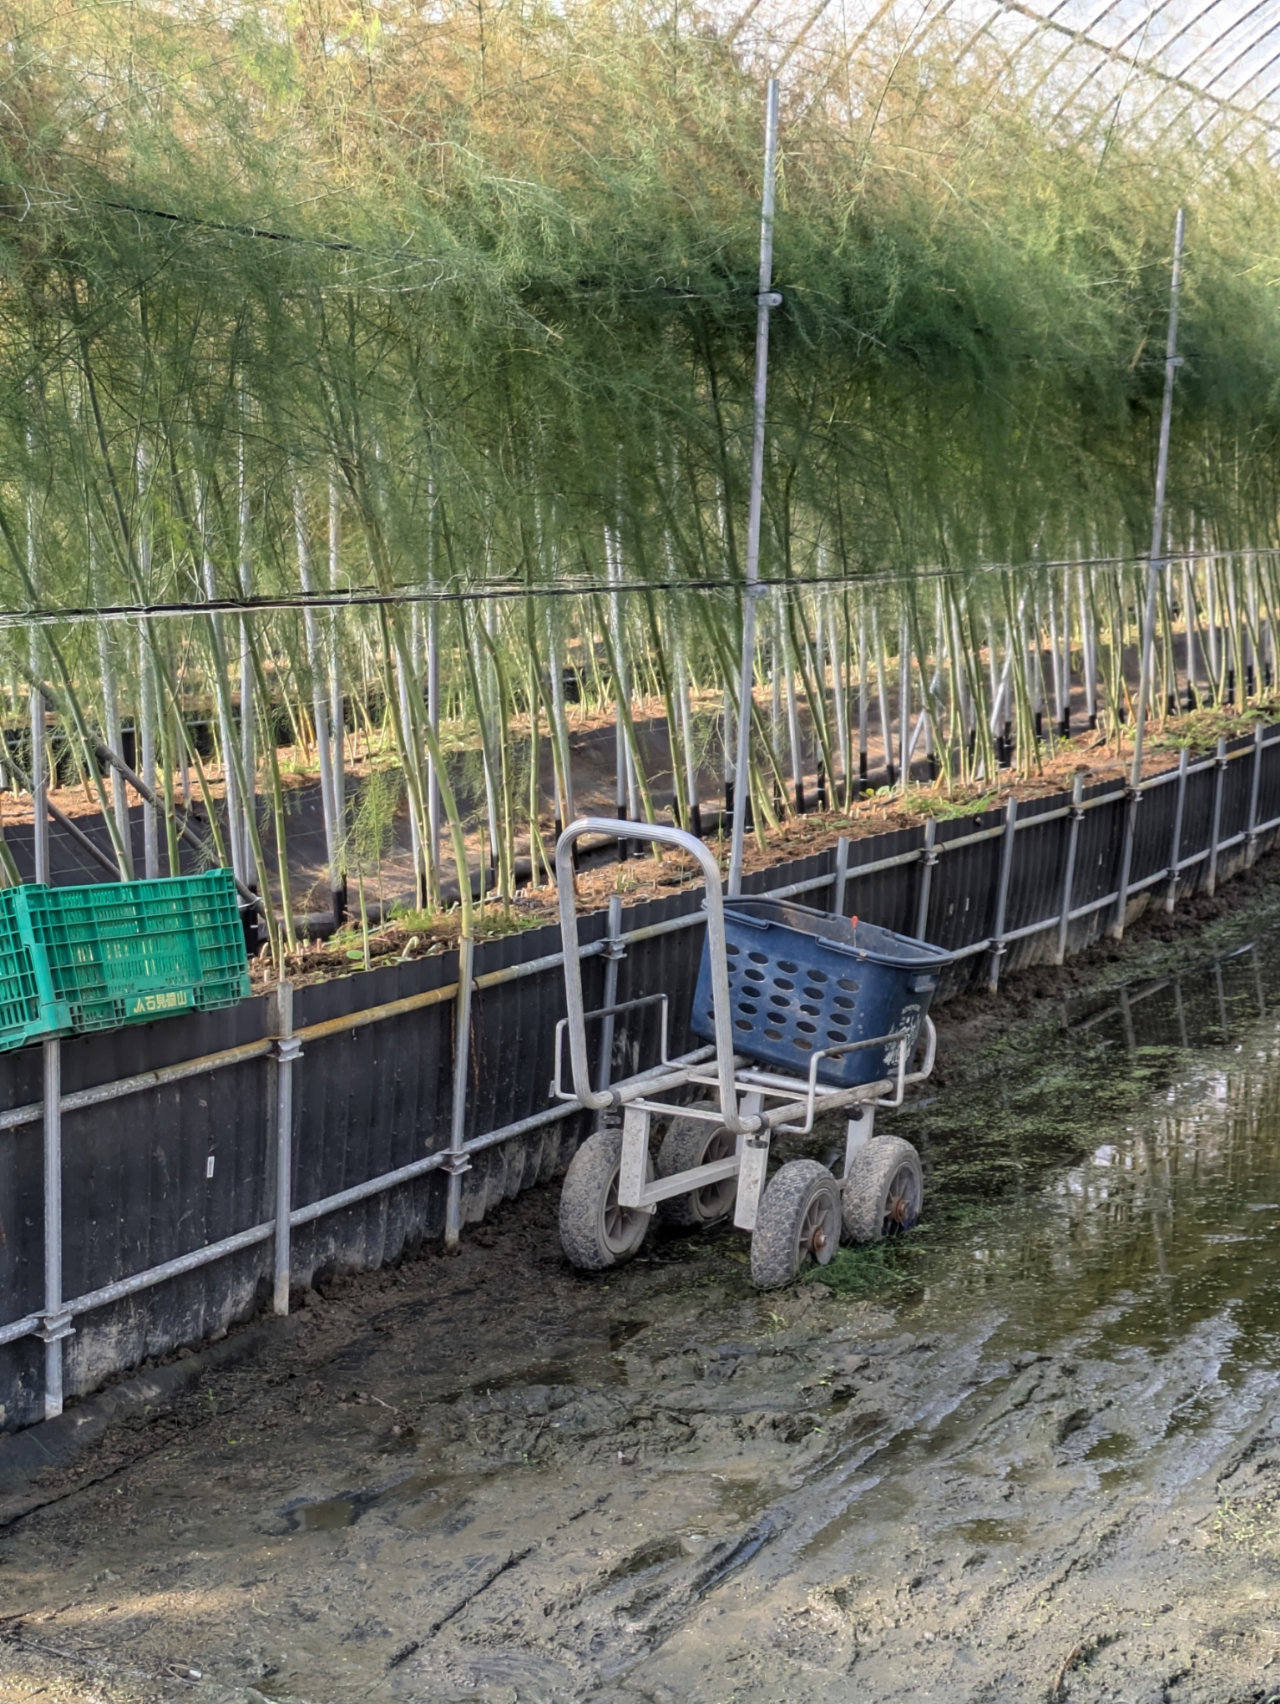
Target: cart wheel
{"points": [[691, 1142], [799, 1219], [595, 1232], [884, 1192]]}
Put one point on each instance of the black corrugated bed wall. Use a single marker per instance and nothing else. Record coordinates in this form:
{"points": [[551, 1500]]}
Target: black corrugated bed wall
{"points": [[137, 1188]]}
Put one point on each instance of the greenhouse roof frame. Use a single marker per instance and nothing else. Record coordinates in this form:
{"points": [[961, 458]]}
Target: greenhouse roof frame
{"points": [[1169, 63]]}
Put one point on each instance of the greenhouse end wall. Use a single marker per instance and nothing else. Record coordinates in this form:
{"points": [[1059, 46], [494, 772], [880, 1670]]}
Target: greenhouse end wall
{"points": [[169, 1131]]}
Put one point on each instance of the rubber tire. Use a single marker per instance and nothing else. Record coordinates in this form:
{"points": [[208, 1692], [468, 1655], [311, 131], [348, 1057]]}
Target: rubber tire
{"points": [[592, 1178], [684, 1146], [778, 1245], [871, 1211]]}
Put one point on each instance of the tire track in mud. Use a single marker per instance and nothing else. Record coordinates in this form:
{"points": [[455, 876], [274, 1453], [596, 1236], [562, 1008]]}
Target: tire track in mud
{"points": [[1051, 1469], [1088, 1552]]}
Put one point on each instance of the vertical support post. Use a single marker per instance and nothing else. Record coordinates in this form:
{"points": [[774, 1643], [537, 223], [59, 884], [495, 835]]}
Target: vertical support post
{"points": [[1074, 820], [904, 706], [248, 718], [457, 1162], [39, 781], [842, 876], [620, 795], [146, 754], [1251, 835], [338, 719], [862, 697], [55, 1321], [1133, 798], [766, 299], [1156, 562], [433, 718], [1215, 833], [287, 1049], [614, 951], [928, 858], [1175, 846], [1002, 893]]}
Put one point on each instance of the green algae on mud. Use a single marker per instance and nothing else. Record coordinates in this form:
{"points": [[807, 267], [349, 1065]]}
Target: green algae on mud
{"points": [[1045, 1421], [1038, 1095]]}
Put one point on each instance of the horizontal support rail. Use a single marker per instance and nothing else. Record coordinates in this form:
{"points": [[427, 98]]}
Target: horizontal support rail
{"points": [[375, 1014], [428, 1163], [33, 1111], [670, 1074], [20, 1328], [175, 1268]]}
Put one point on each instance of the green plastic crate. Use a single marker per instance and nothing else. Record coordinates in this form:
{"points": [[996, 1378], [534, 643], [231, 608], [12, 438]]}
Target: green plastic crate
{"points": [[128, 952], [29, 1009]]}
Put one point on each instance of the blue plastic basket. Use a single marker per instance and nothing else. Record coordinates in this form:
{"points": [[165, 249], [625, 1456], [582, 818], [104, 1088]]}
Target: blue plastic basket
{"points": [[801, 980]]}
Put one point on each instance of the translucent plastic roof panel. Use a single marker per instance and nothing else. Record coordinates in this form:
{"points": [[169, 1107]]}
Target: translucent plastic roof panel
{"points": [[1192, 63]]}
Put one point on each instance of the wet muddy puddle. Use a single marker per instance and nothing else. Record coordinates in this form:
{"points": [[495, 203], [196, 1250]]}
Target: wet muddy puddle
{"points": [[1099, 1271], [944, 1467]]}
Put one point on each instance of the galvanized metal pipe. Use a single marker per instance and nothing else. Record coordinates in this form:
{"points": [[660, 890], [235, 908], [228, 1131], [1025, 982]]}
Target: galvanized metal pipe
{"points": [[1156, 560], [287, 1049], [56, 1321], [255, 1234], [1002, 892], [1126, 861], [33, 1111], [614, 951], [39, 780], [1175, 848], [928, 858], [1251, 833], [45, 1324], [842, 875], [429, 1163], [456, 1161], [765, 300], [25, 1327], [176, 1268], [1093, 905], [1076, 815], [1215, 833]]}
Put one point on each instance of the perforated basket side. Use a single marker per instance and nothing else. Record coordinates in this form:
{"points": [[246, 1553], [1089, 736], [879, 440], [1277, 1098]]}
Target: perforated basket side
{"points": [[790, 996], [130, 952], [28, 1009]]}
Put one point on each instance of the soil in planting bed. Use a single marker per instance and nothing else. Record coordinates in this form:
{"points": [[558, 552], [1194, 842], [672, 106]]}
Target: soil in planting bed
{"points": [[649, 877], [389, 885], [1030, 1452]]}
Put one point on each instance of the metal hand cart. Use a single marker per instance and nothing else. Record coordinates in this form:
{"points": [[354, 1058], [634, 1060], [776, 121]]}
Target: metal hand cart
{"points": [[785, 998]]}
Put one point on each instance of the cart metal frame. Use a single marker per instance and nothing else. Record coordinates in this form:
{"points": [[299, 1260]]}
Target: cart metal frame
{"points": [[746, 1100]]}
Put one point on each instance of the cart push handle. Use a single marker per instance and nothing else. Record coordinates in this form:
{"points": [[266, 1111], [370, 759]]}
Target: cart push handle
{"points": [[740, 1124]]}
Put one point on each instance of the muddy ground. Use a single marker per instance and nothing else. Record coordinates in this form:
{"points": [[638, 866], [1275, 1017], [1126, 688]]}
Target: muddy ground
{"points": [[1031, 1452]]}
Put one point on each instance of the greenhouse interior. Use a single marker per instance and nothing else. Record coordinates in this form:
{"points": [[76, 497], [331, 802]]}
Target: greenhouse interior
{"points": [[515, 518]]}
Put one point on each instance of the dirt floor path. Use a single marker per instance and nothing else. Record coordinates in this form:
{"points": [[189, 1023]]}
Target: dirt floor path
{"points": [[1031, 1452]]}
